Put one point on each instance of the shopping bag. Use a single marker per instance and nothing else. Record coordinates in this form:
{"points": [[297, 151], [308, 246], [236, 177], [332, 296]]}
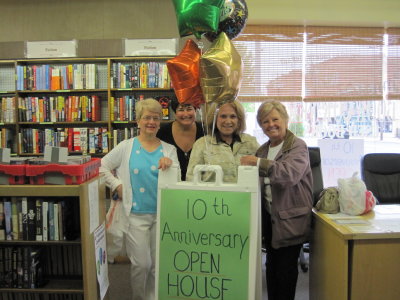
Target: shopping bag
{"points": [[115, 235], [354, 198]]}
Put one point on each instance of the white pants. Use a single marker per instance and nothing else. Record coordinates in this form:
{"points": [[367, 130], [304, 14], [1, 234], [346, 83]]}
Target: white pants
{"points": [[141, 250]]}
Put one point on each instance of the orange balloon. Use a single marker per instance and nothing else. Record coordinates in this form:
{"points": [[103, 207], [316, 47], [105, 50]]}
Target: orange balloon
{"points": [[184, 72]]}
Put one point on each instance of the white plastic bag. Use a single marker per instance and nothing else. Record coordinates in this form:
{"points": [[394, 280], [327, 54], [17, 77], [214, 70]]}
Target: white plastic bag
{"points": [[352, 193], [115, 235]]}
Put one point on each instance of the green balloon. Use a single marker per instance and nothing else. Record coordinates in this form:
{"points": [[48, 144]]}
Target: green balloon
{"points": [[197, 16]]}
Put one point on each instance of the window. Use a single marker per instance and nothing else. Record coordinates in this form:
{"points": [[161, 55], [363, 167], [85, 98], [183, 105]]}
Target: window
{"points": [[338, 83]]}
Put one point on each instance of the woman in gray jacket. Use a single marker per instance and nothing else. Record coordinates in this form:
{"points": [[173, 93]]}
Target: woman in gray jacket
{"points": [[284, 168]]}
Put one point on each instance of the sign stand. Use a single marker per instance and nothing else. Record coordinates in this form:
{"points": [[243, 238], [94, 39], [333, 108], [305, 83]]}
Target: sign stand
{"points": [[208, 236]]}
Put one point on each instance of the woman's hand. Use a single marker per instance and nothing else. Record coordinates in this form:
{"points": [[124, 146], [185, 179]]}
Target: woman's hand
{"points": [[248, 160], [118, 192], [164, 163]]}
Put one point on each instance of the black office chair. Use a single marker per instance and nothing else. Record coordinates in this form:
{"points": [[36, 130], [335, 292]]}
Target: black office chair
{"points": [[318, 186], [381, 174]]}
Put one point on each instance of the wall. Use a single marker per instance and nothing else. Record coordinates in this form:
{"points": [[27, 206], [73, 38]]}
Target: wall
{"points": [[100, 25]]}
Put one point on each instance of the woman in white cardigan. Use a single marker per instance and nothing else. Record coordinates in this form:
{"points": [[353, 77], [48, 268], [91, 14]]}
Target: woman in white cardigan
{"points": [[131, 172]]}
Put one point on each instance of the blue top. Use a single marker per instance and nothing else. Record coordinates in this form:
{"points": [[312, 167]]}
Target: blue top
{"points": [[143, 166]]}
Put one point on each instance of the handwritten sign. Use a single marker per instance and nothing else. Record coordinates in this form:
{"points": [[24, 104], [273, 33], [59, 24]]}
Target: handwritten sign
{"points": [[340, 158], [204, 244]]}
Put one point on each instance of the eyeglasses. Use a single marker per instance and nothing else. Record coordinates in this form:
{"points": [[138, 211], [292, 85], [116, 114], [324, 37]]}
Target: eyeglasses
{"points": [[148, 118]]}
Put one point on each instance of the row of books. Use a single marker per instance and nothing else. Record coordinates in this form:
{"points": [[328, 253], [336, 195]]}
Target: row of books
{"points": [[7, 110], [36, 296], [63, 261], [77, 139], [47, 77], [123, 134], [7, 138], [140, 75], [123, 108], [59, 109], [21, 267], [37, 219]]}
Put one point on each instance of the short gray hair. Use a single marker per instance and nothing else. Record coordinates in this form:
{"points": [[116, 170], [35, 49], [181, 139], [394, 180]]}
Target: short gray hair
{"points": [[268, 106], [149, 104]]}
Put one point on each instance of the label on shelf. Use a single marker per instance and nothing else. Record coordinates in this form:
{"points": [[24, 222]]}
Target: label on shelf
{"points": [[145, 47], [49, 49]]}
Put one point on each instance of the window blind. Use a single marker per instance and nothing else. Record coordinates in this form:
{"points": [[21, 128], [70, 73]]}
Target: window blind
{"points": [[343, 64], [393, 64], [272, 62]]}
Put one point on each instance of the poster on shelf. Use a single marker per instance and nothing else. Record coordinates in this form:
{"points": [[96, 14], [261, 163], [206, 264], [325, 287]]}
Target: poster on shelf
{"points": [[208, 237], [101, 259], [93, 195]]}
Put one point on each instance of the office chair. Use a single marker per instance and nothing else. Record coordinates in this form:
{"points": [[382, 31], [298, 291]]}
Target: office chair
{"points": [[381, 174], [318, 186]]}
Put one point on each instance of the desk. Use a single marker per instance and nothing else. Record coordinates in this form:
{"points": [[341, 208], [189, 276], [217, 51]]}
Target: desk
{"points": [[356, 257]]}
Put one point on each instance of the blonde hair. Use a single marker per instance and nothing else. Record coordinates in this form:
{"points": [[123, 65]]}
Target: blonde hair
{"points": [[239, 110], [148, 104], [268, 106]]}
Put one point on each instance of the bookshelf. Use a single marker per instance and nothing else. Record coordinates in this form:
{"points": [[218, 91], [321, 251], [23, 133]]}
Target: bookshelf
{"points": [[133, 79], [8, 118], [77, 255], [85, 104]]}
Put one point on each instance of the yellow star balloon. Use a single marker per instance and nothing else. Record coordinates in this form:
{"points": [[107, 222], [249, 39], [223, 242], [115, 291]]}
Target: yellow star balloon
{"points": [[220, 71]]}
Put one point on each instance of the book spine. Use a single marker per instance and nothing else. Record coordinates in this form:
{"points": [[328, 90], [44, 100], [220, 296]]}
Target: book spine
{"points": [[31, 220], [45, 211], [39, 221], [2, 223], [14, 218], [24, 210], [55, 215], [8, 222], [51, 221]]}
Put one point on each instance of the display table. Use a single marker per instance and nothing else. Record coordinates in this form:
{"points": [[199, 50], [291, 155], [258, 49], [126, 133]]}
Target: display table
{"points": [[356, 257]]}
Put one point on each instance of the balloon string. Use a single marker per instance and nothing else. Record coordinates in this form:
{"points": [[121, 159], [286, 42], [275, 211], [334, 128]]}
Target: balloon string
{"points": [[200, 44]]}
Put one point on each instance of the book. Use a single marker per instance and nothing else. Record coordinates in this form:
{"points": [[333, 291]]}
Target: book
{"points": [[39, 221], [35, 268], [45, 211], [55, 222], [60, 221], [8, 277], [24, 210], [2, 266], [31, 220], [14, 218], [2, 223], [8, 221], [51, 221], [20, 268]]}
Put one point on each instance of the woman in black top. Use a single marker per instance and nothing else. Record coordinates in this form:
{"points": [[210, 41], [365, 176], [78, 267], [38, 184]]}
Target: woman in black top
{"points": [[182, 133]]}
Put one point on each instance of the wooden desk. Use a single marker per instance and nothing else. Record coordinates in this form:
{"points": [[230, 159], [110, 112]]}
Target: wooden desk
{"points": [[356, 257]]}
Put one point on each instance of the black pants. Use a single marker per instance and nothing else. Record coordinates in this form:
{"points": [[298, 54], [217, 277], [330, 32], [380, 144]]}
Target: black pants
{"points": [[281, 266]]}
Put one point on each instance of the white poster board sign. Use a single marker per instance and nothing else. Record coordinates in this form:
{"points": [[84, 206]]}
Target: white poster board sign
{"points": [[101, 259], [208, 237], [340, 158], [154, 47], [50, 49]]}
